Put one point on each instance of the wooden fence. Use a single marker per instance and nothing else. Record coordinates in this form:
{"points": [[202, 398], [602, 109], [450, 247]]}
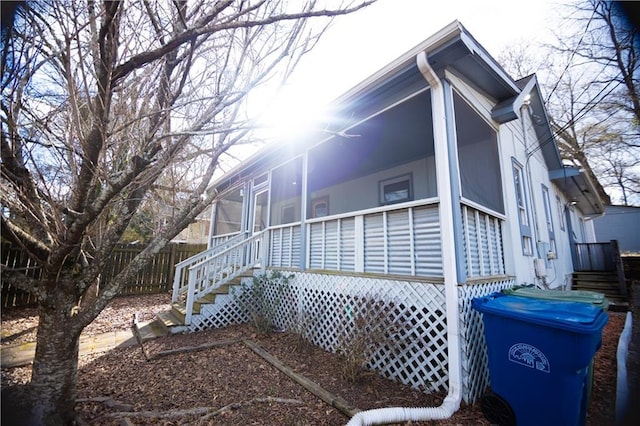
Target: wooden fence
{"points": [[156, 277]]}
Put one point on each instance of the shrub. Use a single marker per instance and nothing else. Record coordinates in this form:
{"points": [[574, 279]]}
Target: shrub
{"points": [[262, 298], [370, 329]]}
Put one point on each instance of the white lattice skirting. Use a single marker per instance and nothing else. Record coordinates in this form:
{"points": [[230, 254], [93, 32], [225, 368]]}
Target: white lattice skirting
{"points": [[327, 307]]}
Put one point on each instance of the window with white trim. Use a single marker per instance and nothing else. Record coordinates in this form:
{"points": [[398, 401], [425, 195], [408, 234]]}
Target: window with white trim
{"points": [[396, 190], [549, 218], [560, 212], [523, 210]]}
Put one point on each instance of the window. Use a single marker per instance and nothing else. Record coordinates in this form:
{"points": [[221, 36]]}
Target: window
{"points": [[547, 214], [523, 214], [396, 190], [260, 180], [288, 214], [320, 207], [560, 212]]}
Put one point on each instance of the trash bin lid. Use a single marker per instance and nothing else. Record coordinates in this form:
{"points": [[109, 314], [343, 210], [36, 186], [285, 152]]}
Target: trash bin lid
{"points": [[571, 316], [584, 296]]}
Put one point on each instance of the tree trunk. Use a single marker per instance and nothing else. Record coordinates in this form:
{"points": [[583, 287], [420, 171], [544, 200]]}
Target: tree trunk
{"points": [[55, 367]]}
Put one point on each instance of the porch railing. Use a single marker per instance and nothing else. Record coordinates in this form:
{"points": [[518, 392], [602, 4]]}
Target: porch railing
{"points": [[594, 257], [181, 276], [218, 240], [400, 239], [600, 257], [284, 245], [403, 239], [206, 273]]}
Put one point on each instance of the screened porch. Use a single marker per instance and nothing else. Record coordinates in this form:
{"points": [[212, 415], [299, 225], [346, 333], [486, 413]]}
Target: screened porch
{"points": [[366, 201]]}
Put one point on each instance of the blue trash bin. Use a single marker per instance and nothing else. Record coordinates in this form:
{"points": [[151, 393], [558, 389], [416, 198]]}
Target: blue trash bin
{"points": [[539, 357]]}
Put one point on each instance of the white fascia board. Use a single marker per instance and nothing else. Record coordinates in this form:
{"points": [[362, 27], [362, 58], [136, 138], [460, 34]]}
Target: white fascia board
{"points": [[446, 34]]}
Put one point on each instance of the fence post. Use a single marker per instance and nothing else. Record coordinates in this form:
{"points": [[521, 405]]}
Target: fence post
{"points": [[617, 262], [171, 267]]}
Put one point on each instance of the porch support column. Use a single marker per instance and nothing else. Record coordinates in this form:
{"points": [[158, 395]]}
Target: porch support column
{"points": [[246, 206], [303, 211], [454, 183], [447, 174], [447, 178], [212, 222]]}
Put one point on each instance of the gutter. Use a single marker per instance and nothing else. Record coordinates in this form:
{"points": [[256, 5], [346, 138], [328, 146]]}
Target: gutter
{"points": [[451, 402]]}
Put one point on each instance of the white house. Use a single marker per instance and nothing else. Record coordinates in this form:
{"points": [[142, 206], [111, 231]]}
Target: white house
{"points": [[437, 180]]}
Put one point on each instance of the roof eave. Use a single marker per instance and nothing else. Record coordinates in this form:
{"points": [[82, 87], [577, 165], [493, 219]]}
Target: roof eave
{"points": [[579, 190]]}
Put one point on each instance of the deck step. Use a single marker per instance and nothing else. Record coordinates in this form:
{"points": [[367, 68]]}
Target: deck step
{"points": [[152, 329], [171, 322], [605, 283], [174, 320], [211, 296]]}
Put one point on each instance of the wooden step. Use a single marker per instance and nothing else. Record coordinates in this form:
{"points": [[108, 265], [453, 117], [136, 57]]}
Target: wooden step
{"points": [[180, 310], [596, 276], [171, 322], [596, 285], [211, 296]]}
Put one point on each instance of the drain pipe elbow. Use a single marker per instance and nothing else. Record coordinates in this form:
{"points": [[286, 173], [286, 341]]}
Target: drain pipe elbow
{"points": [[451, 403], [405, 414]]}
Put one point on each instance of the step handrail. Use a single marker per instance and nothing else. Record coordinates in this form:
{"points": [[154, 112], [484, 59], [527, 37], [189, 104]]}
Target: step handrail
{"points": [[214, 272], [181, 277]]}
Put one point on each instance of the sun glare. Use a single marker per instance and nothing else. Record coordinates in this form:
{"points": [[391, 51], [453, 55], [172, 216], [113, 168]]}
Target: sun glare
{"points": [[289, 116]]}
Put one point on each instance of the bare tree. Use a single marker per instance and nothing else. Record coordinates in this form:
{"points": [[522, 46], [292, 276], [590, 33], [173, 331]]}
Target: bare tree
{"points": [[603, 70], [591, 82], [100, 102]]}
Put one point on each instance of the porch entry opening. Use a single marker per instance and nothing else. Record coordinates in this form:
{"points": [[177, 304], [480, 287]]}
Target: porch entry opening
{"points": [[260, 210]]}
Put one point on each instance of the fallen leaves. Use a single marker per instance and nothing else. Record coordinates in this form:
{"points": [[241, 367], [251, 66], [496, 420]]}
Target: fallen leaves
{"points": [[231, 375]]}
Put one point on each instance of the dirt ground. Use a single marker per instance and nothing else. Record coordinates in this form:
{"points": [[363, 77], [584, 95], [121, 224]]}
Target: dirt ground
{"points": [[231, 384]]}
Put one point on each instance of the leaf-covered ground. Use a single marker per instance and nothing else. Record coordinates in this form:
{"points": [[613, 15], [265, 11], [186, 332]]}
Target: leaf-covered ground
{"points": [[232, 385]]}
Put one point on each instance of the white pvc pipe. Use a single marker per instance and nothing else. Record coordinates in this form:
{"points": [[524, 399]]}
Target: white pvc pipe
{"points": [[452, 401], [622, 385]]}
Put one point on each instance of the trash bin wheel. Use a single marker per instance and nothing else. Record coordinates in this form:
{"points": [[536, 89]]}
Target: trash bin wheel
{"points": [[497, 410]]}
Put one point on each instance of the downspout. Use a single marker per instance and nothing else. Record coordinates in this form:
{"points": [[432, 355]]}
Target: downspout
{"points": [[452, 401], [536, 238]]}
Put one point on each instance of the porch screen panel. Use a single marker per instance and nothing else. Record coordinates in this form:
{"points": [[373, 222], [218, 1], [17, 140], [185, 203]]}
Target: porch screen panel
{"points": [[374, 247], [348, 244], [331, 245], [228, 213], [426, 240], [399, 242], [478, 157]]}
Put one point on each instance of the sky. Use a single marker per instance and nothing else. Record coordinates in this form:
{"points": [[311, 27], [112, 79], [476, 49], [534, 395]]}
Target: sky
{"points": [[358, 45]]}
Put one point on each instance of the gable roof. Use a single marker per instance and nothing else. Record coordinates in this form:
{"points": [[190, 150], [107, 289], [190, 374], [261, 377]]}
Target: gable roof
{"points": [[454, 49]]}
